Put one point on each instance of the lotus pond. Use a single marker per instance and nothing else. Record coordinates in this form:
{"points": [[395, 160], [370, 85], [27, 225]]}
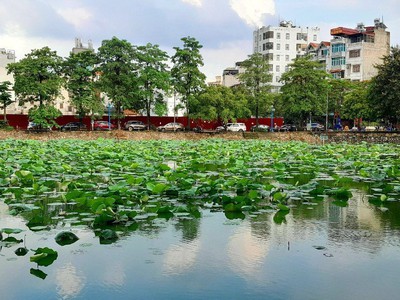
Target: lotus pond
{"points": [[211, 219]]}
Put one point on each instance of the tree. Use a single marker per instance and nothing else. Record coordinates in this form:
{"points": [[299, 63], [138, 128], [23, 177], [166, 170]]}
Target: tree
{"points": [[256, 78], [220, 103], [384, 95], [80, 83], [38, 79], [304, 90], [5, 98], [153, 80], [117, 74], [355, 104], [187, 79]]}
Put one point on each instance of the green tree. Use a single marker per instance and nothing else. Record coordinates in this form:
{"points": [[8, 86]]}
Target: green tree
{"points": [[117, 74], [355, 104], [38, 79], [384, 95], [304, 90], [153, 80], [256, 79], [80, 83], [221, 103], [5, 98], [187, 78]]}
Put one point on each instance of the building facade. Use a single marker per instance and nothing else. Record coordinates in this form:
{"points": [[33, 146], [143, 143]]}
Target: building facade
{"points": [[281, 45], [355, 52]]}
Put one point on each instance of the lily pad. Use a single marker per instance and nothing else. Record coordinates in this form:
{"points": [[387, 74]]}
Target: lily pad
{"points": [[66, 238]]}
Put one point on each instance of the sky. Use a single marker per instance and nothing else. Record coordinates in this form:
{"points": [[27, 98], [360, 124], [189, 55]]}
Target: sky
{"points": [[223, 27]]}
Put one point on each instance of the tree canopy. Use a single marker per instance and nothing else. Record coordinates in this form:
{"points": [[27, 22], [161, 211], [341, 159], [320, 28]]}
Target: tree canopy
{"points": [[384, 95], [117, 74], [5, 97], [187, 79], [153, 80], [80, 74], [256, 79], [304, 90], [38, 79]]}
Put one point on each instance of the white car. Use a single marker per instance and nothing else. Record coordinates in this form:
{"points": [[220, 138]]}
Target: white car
{"points": [[236, 127]]}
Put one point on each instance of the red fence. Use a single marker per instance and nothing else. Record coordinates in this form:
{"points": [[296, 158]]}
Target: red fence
{"points": [[21, 121]]}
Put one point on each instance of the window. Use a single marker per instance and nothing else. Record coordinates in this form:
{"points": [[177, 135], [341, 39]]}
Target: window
{"points": [[268, 35], [278, 57], [314, 37], [277, 78], [302, 36], [286, 68], [61, 105], [271, 67], [338, 61], [277, 68], [268, 46], [278, 46], [288, 36], [278, 35], [269, 56], [356, 68], [287, 47], [286, 57], [354, 53], [338, 48], [69, 108]]}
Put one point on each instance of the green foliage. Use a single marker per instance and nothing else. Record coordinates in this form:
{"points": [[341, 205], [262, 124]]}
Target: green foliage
{"points": [[80, 75], [44, 256], [37, 76], [384, 93], [256, 79], [355, 103], [66, 238], [5, 97], [220, 103], [117, 74], [304, 89], [187, 79], [44, 116], [153, 80]]}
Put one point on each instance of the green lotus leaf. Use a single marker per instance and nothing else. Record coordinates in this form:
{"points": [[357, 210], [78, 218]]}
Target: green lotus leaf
{"points": [[66, 238]]}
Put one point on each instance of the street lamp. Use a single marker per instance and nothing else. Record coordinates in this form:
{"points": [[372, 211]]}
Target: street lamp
{"points": [[272, 117], [109, 115]]}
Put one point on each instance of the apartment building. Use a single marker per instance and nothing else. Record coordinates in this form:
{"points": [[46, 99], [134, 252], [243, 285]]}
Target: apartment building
{"points": [[281, 45], [355, 52]]}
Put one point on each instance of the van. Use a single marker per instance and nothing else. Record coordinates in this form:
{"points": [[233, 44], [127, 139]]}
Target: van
{"points": [[236, 127]]}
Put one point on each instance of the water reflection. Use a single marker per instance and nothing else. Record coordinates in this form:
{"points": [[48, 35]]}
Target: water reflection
{"points": [[180, 258], [69, 282], [247, 253]]}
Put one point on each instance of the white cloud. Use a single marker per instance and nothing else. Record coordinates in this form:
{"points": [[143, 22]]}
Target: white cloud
{"points": [[194, 2], [78, 17], [253, 11]]}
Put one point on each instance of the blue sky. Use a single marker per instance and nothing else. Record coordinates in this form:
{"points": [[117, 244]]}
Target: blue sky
{"points": [[223, 27]]}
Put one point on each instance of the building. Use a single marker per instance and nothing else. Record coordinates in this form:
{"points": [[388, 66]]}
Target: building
{"points": [[79, 47], [281, 45], [230, 75], [355, 52]]}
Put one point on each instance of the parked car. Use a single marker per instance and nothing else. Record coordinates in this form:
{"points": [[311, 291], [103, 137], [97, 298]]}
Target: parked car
{"points": [[135, 125], [220, 129], [73, 126], [259, 128], [103, 125], [171, 127], [287, 127], [236, 127], [35, 127], [315, 127]]}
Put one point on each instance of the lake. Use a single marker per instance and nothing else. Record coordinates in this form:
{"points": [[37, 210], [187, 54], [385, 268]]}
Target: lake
{"points": [[320, 251]]}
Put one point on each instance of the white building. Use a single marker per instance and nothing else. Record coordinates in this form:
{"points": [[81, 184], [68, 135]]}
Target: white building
{"points": [[281, 45]]}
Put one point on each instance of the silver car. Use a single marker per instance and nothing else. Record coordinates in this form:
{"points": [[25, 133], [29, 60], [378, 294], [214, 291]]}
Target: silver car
{"points": [[134, 125], [171, 127]]}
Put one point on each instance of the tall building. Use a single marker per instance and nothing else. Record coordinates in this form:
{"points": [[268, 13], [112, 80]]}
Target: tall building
{"points": [[355, 52], [79, 47], [281, 45]]}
